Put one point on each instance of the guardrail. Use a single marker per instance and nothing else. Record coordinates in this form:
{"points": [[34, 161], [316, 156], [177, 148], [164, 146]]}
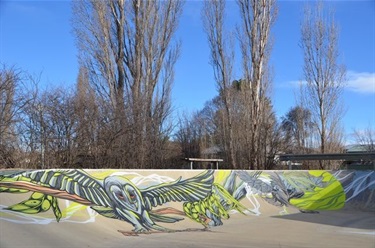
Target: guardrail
{"points": [[351, 157], [368, 156]]}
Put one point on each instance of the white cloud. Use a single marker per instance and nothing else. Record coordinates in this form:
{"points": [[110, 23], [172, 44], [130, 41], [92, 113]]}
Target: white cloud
{"points": [[361, 82], [291, 84], [296, 83]]}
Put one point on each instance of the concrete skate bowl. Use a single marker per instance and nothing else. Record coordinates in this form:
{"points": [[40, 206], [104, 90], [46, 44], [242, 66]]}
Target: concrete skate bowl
{"points": [[187, 208]]}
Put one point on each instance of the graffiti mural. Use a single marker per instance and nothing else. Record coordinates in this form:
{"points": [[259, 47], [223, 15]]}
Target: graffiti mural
{"points": [[204, 197]]}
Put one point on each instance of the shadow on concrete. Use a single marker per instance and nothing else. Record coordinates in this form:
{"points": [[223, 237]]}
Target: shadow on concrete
{"points": [[348, 219]]}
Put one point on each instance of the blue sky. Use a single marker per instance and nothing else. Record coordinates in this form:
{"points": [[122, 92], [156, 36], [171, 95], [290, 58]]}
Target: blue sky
{"points": [[36, 36]]}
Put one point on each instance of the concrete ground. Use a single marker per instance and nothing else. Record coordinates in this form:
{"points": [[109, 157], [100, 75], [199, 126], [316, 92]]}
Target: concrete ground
{"points": [[328, 229]]}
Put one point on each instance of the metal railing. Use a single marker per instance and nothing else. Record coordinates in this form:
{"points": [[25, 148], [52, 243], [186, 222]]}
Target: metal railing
{"points": [[350, 157], [207, 160]]}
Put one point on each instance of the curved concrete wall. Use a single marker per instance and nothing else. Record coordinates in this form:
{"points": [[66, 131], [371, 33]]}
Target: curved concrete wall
{"points": [[172, 201]]}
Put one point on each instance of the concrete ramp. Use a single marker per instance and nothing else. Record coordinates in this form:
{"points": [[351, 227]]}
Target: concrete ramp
{"points": [[187, 208]]}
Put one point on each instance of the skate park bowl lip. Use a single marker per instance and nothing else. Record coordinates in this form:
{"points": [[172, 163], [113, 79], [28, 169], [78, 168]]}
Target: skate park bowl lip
{"points": [[266, 226]]}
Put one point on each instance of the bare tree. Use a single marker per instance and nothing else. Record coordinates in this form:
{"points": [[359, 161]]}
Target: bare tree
{"points": [[47, 130], [127, 48], [88, 122], [270, 141], [188, 136], [324, 76], [365, 138], [10, 102], [298, 129], [222, 58], [62, 125], [13, 99], [9, 79], [244, 106], [257, 17]]}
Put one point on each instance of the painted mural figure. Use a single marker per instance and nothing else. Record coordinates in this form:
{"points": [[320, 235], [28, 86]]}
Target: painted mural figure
{"points": [[207, 198], [114, 197]]}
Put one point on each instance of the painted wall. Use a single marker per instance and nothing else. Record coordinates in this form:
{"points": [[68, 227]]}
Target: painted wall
{"points": [[149, 201]]}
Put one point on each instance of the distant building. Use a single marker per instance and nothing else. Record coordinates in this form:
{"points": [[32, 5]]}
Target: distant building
{"points": [[359, 164]]}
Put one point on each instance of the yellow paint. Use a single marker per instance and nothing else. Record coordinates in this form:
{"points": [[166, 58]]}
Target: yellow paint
{"points": [[331, 197], [73, 208], [102, 174], [221, 175]]}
